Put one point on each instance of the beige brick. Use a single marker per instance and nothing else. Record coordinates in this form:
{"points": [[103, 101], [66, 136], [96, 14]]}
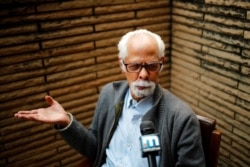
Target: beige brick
{"points": [[157, 28], [70, 159], [83, 95], [67, 82], [73, 88], [242, 119], [15, 30], [220, 108], [78, 31], [244, 87], [81, 47], [82, 57], [131, 6], [114, 70], [22, 84], [152, 12], [222, 11], [241, 130], [221, 79], [234, 138], [189, 30], [223, 29], [245, 70], [24, 66], [131, 23], [70, 71], [25, 92], [235, 152], [187, 65], [225, 39], [27, 9], [64, 5], [61, 14], [241, 148], [188, 73], [224, 21], [188, 13], [237, 161], [188, 5], [30, 147], [188, 22], [18, 39], [220, 45], [233, 3], [246, 53], [224, 153], [63, 41], [19, 138], [228, 74], [18, 49], [21, 58], [107, 42], [188, 40], [187, 44], [221, 62], [41, 159], [246, 34], [224, 55], [114, 17], [186, 97], [108, 58], [248, 15], [227, 107], [243, 103], [218, 85]]}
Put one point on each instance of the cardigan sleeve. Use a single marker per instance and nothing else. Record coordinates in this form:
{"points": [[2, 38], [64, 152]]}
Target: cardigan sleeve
{"points": [[79, 138]]}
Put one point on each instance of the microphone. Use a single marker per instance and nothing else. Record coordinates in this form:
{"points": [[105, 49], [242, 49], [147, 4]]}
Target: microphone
{"points": [[150, 142]]}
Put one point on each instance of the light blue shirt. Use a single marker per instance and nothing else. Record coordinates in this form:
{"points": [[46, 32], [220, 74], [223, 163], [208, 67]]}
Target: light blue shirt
{"points": [[124, 148]]}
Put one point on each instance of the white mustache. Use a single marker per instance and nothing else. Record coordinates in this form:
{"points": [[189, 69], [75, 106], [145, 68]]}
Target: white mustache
{"points": [[149, 88], [142, 83]]}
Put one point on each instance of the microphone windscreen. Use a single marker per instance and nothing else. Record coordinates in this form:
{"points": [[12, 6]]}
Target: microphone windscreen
{"points": [[147, 127]]}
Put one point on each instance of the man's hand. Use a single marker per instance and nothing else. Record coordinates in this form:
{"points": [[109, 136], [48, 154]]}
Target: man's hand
{"points": [[55, 114]]}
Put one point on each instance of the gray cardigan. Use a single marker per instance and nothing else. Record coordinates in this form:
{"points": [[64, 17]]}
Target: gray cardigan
{"points": [[173, 119]]}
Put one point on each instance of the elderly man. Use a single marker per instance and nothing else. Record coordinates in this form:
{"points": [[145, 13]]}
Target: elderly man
{"points": [[113, 137]]}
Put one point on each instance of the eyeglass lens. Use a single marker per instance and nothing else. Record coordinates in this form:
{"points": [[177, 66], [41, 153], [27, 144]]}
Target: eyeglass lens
{"points": [[153, 67]]}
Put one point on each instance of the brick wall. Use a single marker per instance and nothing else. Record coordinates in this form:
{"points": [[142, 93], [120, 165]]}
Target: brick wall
{"points": [[66, 49], [210, 68]]}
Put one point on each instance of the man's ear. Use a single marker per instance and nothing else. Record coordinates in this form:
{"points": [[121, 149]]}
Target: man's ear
{"points": [[163, 59], [122, 66]]}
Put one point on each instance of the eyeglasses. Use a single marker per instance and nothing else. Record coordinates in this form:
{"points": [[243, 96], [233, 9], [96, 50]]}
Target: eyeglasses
{"points": [[134, 67]]}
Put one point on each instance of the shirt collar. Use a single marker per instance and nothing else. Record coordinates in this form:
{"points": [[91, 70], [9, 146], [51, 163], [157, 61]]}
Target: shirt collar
{"points": [[142, 106]]}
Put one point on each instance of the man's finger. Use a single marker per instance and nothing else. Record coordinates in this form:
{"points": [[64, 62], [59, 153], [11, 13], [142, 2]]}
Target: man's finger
{"points": [[49, 100]]}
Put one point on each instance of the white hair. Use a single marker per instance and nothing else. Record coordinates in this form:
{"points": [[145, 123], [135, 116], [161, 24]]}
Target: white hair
{"points": [[123, 43]]}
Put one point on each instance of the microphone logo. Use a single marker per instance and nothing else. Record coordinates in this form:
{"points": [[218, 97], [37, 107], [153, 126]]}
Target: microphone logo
{"points": [[150, 143]]}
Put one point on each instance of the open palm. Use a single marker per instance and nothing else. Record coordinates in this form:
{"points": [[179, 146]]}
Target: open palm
{"points": [[54, 114]]}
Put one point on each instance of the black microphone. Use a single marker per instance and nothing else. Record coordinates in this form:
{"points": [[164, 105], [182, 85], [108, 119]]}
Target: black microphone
{"points": [[150, 142]]}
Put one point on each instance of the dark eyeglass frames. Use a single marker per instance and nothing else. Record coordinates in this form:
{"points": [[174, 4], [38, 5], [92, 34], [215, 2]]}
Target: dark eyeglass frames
{"points": [[134, 67]]}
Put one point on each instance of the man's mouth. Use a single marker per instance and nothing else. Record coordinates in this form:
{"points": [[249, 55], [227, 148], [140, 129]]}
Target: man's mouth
{"points": [[141, 87]]}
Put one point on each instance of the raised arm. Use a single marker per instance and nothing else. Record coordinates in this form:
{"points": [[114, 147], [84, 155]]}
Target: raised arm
{"points": [[54, 114]]}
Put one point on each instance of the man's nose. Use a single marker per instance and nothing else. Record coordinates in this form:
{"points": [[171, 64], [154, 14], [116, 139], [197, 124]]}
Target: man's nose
{"points": [[144, 74]]}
